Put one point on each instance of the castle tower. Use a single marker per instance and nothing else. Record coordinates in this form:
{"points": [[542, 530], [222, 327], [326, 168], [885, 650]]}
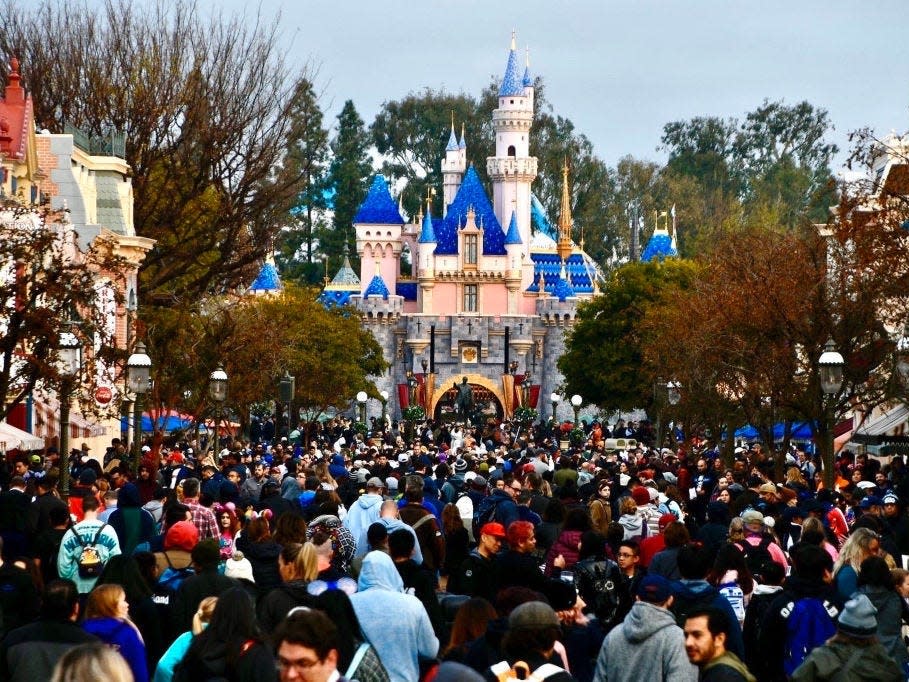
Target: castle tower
{"points": [[512, 169], [453, 166], [513, 273], [379, 225], [426, 246]]}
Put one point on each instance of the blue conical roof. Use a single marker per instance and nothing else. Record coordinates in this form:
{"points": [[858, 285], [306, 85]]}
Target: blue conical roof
{"points": [[471, 195], [561, 289], [659, 247], [514, 235], [527, 81], [463, 143], [378, 208], [267, 279], [512, 83], [452, 141], [427, 234], [376, 287]]}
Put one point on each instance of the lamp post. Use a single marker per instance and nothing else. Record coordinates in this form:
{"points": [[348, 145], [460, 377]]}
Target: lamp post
{"points": [[361, 400], [217, 391], [383, 394], [659, 397], [554, 398], [70, 366], [830, 371], [287, 387], [576, 402], [138, 374]]}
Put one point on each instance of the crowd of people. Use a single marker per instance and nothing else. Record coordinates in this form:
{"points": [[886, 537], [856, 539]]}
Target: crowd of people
{"points": [[457, 553]]}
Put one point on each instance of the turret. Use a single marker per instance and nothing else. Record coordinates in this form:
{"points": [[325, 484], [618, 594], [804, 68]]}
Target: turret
{"points": [[513, 273], [512, 169], [379, 225], [426, 246], [453, 166]]}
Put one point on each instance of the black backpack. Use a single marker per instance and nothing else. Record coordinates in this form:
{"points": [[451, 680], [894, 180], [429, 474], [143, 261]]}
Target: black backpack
{"points": [[483, 514], [756, 556], [598, 583]]}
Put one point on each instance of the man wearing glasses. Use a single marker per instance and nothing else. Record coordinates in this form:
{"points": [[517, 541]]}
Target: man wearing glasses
{"points": [[307, 647]]}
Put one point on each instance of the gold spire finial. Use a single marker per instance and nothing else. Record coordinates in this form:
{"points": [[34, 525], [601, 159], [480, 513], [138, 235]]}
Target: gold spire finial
{"points": [[452, 120], [565, 222], [527, 56], [513, 39]]}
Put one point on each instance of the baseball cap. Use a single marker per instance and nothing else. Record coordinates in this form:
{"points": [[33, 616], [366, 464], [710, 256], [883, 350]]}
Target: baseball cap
{"points": [[375, 482], [665, 520], [768, 488], [495, 529], [654, 589], [871, 501]]}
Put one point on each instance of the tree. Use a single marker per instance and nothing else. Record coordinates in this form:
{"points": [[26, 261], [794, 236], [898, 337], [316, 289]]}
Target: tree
{"points": [[307, 157], [348, 178], [48, 287], [604, 348], [413, 132], [206, 106]]}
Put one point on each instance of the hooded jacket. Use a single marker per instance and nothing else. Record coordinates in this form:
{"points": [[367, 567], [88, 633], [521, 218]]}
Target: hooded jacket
{"points": [[634, 526], [396, 624], [275, 605], [832, 661], [123, 637], [363, 513], [718, 670], [648, 645], [691, 594], [134, 526]]}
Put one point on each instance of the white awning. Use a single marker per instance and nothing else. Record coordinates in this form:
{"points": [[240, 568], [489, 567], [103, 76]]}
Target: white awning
{"points": [[12, 438], [894, 422]]}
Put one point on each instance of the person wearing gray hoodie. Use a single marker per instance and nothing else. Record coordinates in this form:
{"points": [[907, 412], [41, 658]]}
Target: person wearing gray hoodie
{"points": [[365, 511], [648, 644], [394, 623]]}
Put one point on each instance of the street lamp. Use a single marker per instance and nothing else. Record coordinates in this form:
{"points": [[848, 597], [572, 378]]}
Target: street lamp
{"points": [[576, 402], [554, 398], [287, 387], [513, 367], [830, 371], [361, 399], [217, 391], [383, 394], [70, 366], [138, 374]]}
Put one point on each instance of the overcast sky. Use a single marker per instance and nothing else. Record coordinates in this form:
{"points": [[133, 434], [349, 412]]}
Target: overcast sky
{"points": [[619, 69]]}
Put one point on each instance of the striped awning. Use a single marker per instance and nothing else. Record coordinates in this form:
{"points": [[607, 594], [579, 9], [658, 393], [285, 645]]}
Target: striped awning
{"points": [[47, 422]]}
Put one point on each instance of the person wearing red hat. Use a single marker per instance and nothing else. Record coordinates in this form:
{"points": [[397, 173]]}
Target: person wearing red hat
{"points": [[654, 544], [478, 575]]}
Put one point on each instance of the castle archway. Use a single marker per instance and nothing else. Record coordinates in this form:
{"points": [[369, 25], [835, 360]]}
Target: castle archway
{"points": [[487, 397]]}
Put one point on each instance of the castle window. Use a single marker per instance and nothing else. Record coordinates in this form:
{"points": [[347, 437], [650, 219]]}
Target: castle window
{"points": [[470, 249], [470, 298], [512, 101], [511, 150]]}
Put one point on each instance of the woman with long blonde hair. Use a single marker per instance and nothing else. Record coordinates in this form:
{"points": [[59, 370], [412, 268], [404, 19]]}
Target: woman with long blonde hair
{"points": [[299, 566], [861, 544], [107, 617], [92, 663], [201, 618]]}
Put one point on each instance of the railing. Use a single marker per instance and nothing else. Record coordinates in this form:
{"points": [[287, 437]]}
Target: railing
{"points": [[110, 144]]}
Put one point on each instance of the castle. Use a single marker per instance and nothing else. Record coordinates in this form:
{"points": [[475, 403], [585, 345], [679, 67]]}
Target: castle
{"points": [[485, 291]]}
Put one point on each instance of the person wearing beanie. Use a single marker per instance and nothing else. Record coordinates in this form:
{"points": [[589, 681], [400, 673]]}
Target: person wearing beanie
{"points": [[648, 644], [533, 630], [178, 545], [853, 654]]}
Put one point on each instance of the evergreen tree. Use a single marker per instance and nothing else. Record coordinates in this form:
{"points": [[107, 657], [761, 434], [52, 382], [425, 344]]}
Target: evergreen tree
{"points": [[307, 157], [348, 179]]}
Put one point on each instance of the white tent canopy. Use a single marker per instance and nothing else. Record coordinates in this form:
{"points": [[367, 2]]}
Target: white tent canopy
{"points": [[12, 438]]}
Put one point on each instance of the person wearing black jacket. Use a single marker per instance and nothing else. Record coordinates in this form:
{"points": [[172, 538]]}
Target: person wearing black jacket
{"points": [[29, 653], [401, 544], [207, 582], [299, 566], [812, 572]]}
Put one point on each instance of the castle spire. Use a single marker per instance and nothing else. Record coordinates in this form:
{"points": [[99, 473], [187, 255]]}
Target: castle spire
{"points": [[527, 81], [564, 243], [463, 143], [512, 83], [452, 139]]}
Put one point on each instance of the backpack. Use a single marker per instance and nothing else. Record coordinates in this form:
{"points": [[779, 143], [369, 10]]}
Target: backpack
{"points": [[89, 562], [756, 556], [483, 514], [809, 623], [598, 583], [172, 577], [508, 673]]}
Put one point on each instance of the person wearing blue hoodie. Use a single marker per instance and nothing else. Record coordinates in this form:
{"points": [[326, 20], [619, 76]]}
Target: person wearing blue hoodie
{"points": [[107, 618], [395, 624], [693, 591], [365, 511]]}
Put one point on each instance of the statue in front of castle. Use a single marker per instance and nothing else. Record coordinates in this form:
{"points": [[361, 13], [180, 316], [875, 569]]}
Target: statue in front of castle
{"points": [[463, 400]]}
